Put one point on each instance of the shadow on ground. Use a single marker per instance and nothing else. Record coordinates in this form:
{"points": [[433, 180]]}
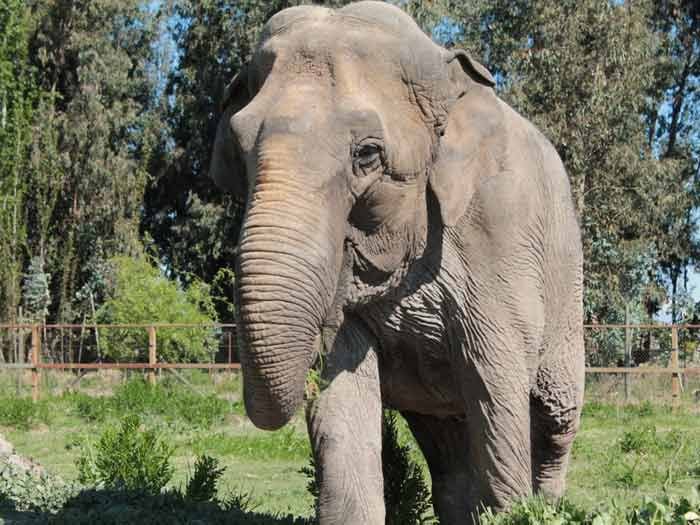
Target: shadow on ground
{"points": [[106, 507]]}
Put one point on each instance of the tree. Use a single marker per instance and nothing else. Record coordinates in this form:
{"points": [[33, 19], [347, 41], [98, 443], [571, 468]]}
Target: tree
{"points": [[139, 293], [17, 94], [94, 131], [582, 71], [672, 122]]}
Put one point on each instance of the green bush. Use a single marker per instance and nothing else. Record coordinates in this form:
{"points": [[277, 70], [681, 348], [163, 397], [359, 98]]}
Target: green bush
{"points": [[665, 510], [93, 409], [139, 293], [107, 507], [640, 440], [202, 484], [23, 412], [22, 490], [406, 493], [127, 457], [537, 511]]}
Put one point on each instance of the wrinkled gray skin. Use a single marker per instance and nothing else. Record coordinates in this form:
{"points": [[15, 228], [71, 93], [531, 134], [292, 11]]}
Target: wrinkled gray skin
{"points": [[411, 226]]}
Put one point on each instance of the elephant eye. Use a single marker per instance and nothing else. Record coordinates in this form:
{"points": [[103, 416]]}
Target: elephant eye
{"points": [[367, 157]]}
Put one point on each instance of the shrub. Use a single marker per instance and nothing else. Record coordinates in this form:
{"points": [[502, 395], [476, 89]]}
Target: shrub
{"points": [[202, 484], [128, 457], [641, 440], [664, 510], [22, 490], [93, 409], [537, 511], [406, 492], [139, 293]]}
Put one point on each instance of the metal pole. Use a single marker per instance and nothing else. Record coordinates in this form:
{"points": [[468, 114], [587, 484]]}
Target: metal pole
{"points": [[36, 349], [675, 377], [230, 353], [628, 353], [152, 357]]}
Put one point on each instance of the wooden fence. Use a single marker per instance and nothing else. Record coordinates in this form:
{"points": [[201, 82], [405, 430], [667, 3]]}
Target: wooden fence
{"points": [[35, 364]]}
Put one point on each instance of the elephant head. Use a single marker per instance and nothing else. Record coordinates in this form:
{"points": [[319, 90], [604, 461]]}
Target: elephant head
{"points": [[332, 134]]}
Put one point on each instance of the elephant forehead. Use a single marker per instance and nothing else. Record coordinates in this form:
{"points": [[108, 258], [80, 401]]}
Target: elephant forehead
{"points": [[329, 49]]}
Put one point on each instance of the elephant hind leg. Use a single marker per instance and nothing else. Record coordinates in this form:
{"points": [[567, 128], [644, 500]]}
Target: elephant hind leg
{"points": [[555, 407], [444, 444]]}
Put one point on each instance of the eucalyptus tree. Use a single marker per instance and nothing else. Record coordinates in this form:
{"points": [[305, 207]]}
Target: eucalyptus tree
{"points": [[17, 95], [94, 131], [673, 119]]}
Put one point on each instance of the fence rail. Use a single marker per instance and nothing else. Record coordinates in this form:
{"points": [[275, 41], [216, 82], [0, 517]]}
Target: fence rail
{"points": [[46, 350], [39, 347]]}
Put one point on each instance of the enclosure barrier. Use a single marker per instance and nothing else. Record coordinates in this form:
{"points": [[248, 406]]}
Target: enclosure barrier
{"points": [[44, 356], [619, 350]]}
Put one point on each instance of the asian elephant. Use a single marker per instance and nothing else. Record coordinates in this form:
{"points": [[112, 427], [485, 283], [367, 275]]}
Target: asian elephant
{"points": [[414, 238]]}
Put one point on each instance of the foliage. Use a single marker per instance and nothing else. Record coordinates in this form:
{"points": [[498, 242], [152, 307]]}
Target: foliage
{"points": [[202, 484], [128, 457], [139, 293], [23, 413], [35, 289], [664, 510], [164, 399], [41, 497], [93, 409], [406, 493], [119, 508], [537, 511], [93, 133], [17, 95], [23, 490]]}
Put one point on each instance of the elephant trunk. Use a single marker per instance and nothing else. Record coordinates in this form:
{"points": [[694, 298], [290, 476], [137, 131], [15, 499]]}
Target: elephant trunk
{"points": [[288, 263]]}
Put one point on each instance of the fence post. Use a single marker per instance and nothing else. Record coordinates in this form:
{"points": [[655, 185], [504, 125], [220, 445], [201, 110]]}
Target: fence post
{"points": [[36, 357], [628, 353], [675, 376], [230, 353], [152, 355]]}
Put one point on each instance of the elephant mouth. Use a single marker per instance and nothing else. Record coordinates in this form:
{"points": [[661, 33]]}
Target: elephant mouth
{"points": [[365, 267], [371, 275]]}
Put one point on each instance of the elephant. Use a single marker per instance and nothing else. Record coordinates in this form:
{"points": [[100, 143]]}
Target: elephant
{"points": [[412, 239]]}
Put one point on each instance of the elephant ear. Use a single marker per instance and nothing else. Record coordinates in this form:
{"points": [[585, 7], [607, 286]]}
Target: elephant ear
{"points": [[476, 71], [227, 168], [469, 146]]}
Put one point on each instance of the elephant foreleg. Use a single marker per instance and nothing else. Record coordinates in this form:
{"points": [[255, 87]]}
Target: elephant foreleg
{"points": [[556, 408], [345, 427], [498, 417]]}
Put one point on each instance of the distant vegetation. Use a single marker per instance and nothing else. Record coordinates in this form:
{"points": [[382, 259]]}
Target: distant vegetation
{"points": [[108, 111]]}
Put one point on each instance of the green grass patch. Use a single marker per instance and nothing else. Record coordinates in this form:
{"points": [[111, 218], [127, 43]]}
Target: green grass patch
{"points": [[285, 444], [622, 454], [23, 413]]}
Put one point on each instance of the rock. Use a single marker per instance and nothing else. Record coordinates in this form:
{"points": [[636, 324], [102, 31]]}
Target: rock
{"points": [[8, 456]]}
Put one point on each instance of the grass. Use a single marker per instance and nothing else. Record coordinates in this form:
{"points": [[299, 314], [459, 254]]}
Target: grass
{"points": [[622, 453], [208, 421]]}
